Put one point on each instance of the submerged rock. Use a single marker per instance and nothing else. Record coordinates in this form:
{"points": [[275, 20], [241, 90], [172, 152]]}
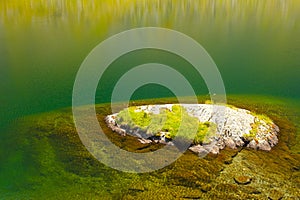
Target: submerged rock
{"points": [[242, 180], [230, 143], [259, 144], [212, 148], [200, 150], [234, 128], [264, 145]]}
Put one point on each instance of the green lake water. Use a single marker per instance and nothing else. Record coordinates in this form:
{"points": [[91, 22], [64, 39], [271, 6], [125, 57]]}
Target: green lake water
{"points": [[254, 43]]}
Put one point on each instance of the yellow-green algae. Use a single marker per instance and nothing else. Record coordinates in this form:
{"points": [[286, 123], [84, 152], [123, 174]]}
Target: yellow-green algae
{"points": [[47, 160], [170, 119]]}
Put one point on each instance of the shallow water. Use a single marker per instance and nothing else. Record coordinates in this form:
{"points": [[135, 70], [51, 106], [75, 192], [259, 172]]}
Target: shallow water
{"points": [[47, 160], [254, 43]]}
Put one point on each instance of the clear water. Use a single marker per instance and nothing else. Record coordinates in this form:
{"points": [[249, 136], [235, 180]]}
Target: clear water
{"points": [[255, 44]]}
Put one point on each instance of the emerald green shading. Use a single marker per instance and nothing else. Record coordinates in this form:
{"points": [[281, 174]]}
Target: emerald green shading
{"points": [[43, 44]]}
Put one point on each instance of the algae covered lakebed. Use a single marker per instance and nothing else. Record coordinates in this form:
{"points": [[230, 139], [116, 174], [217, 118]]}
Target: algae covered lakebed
{"points": [[47, 160], [254, 43]]}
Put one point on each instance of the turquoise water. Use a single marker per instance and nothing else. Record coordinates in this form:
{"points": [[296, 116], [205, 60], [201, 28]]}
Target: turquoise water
{"points": [[255, 44]]}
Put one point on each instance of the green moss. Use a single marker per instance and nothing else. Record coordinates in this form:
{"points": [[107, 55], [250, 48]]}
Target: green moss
{"points": [[208, 102], [255, 126], [250, 136], [134, 118], [253, 132], [170, 121], [264, 118], [205, 131]]}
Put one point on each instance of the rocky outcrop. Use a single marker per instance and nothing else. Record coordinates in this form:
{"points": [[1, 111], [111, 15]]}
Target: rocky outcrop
{"points": [[235, 128]]}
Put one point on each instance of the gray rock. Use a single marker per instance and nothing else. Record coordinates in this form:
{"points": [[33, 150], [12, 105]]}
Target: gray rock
{"points": [[272, 139], [276, 128], [221, 144], [252, 144], [212, 148], [232, 125], [144, 141], [263, 145], [230, 143], [239, 142], [200, 150]]}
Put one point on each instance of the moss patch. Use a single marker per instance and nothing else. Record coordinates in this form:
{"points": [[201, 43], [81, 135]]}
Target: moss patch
{"points": [[169, 121]]}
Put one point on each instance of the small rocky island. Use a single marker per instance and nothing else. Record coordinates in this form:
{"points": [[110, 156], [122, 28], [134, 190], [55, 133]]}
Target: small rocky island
{"points": [[219, 126]]}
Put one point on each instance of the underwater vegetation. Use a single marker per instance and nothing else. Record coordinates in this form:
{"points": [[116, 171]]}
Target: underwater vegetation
{"points": [[47, 160]]}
